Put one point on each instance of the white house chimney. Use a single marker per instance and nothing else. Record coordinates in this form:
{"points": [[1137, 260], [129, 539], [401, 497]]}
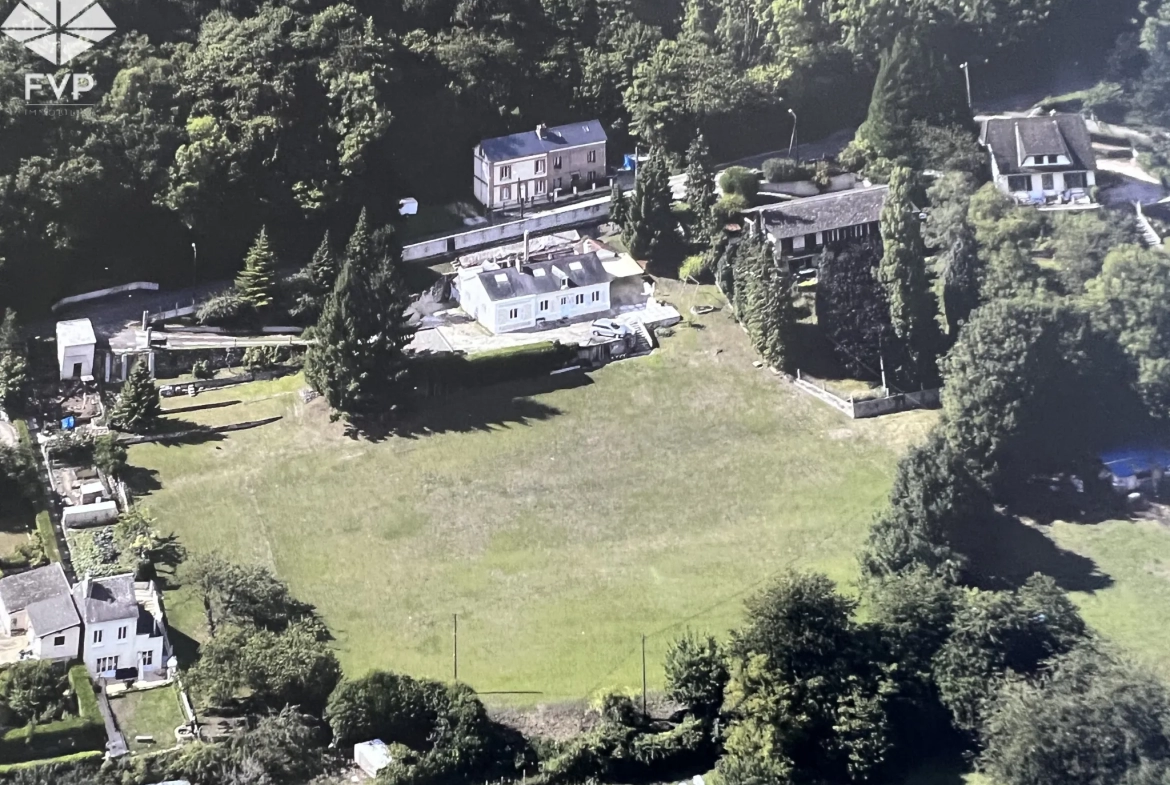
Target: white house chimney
{"points": [[541, 131], [525, 246], [85, 582]]}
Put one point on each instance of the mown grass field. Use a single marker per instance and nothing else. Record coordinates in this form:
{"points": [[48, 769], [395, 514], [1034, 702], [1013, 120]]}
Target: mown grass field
{"points": [[149, 713], [559, 524]]}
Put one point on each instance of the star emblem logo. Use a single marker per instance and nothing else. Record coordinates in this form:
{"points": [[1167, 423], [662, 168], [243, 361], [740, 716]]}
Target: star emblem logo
{"points": [[58, 30]]}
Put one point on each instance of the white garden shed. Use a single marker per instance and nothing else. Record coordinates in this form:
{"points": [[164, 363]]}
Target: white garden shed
{"points": [[371, 756], [76, 345]]}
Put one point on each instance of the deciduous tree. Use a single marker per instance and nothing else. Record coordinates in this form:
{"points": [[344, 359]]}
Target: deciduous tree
{"points": [[13, 361]]}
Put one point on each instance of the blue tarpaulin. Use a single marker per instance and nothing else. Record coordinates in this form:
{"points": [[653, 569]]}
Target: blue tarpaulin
{"points": [[68, 423], [1130, 461]]}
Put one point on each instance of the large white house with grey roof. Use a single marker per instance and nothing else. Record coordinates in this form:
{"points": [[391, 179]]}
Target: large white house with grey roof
{"points": [[532, 165], [123, 625], [519, 296], [1041, 160]]}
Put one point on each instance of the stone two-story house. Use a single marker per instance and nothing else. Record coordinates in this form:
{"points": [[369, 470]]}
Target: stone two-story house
{"points": [[1041, 160], [533, 165]]}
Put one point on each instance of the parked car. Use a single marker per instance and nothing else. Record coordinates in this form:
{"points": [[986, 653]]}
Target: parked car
{"points": [[609, 328]]}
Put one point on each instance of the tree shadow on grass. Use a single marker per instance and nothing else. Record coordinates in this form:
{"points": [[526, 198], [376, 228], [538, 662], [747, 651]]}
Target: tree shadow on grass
{"points": [[186, 648], [140, 480], [813, 354], [203, 407], [481, 409], [1002, 552]]}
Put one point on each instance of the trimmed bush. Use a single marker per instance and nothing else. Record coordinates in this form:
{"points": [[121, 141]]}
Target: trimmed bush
{"points": [[48, 537], [741, 181], [729, 207], [63, 760], [440, 374]]}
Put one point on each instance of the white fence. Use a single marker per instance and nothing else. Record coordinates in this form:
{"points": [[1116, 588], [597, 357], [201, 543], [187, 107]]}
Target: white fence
{"points": [[126, 287], [869, 407]]}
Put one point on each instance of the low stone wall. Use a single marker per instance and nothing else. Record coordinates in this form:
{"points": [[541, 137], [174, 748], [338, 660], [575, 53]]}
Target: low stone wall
{"points": [[901, 402], [126, 287]]}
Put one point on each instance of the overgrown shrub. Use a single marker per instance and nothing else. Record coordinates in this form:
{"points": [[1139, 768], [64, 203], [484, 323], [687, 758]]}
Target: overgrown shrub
{"points": [[729, 207], [785, 170], [109, 456], [201, 369], [225, 310], [741, 181], [75, 447]]}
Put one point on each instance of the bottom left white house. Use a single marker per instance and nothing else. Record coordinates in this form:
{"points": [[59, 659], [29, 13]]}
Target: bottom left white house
{"points": [[115, 625]]}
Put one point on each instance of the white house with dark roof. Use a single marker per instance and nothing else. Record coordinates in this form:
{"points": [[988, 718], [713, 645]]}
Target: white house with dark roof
{"points": [[531, 165], [124, 625], [801, 228], [37, 614], [527, 295], [1041, 160]]}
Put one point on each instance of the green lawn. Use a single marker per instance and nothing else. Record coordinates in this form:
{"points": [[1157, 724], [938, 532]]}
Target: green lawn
{"points": [[1132, 611], [559, 524], [149, 713]]}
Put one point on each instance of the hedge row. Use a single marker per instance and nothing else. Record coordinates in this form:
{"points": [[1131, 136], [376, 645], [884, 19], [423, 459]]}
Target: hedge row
{"points": [[73, 758], [67, 737], [440, 374], [44, 522]]}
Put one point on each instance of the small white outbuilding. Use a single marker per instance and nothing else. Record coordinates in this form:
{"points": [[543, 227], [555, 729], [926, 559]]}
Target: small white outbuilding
{"points": [[371, 756], [76, 344]]}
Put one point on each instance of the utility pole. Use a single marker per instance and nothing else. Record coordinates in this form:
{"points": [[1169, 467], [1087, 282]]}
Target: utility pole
{"points": [[967, 76], [643, 674], [194, 264], [792, 139], [455, 653]]}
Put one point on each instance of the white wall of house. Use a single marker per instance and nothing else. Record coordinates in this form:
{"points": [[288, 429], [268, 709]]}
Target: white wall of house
{"points": [[61, 645], [1010, 184], [110, 644], [511, 315], [77, 358]]}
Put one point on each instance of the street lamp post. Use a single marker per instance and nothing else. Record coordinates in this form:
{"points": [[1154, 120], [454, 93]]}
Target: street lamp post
{"points": [[967, 78], [792, 139], [194, 264]]}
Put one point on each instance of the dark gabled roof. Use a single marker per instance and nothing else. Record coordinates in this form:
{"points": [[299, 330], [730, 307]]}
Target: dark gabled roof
{"points": [[106, 599], [526, 143], [825, 212], [1011, 139], [18, 592], [543, 277], [52, 615]]}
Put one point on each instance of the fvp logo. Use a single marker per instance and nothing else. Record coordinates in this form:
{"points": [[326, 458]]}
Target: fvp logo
{"points": [[58, 30]]}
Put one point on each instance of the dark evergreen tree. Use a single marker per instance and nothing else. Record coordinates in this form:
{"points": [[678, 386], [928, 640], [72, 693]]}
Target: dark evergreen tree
{"points": [[852, 310], [961, 274], [358, 362], [323, 269], [777, 324], [701, 190], [649, 225], [256, 283], [137, 409], [915, 83], [619, 206], [902, 273], [13, 361]]}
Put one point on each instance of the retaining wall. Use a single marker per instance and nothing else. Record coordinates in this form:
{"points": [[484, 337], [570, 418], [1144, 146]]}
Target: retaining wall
{"points": [[126, 287], [594, 211]]}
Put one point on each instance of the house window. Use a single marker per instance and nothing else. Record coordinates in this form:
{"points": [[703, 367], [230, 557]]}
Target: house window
{"points": [[798, 243], [147, 658], [592, 175], [59, 640], [121, 633], [539, 166], [580, 299], [513, 313], [1076, 180], [506, 193], [544, 305], [557, 162], [592, 156], [97, 636], [107, 664], [597, 297], [541, 186], [1054, 159], [1046, 182], [1020, 182], [505, 173], [560, 182]]}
